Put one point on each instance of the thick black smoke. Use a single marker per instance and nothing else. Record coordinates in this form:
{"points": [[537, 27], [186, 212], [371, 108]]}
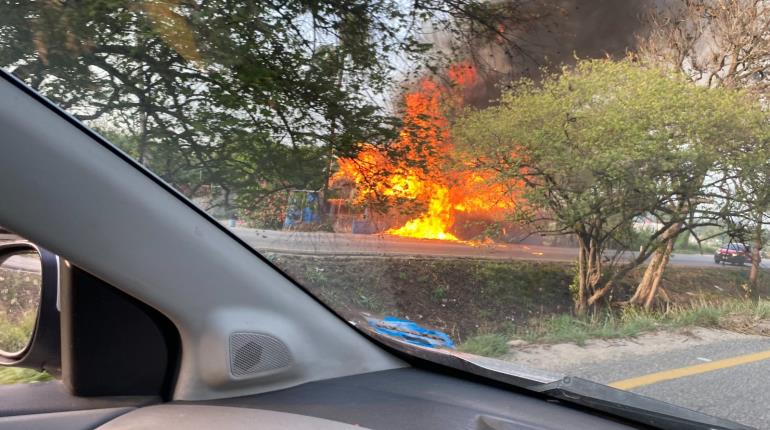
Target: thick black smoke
{"points": [[545, 35]]}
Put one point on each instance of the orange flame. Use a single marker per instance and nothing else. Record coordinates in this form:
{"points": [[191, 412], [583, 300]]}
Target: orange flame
{"points": [[434, 223], [444, 191]]}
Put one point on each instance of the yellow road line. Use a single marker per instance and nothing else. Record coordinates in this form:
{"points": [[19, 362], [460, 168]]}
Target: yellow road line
{"points": [[667, 375]]}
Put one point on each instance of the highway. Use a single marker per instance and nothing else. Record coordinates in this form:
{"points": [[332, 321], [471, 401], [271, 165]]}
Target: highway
{"points": [[727, 379], [345, 244]]}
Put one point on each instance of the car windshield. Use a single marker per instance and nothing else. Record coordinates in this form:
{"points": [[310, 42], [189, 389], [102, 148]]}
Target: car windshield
{"points": [[548, 184]]}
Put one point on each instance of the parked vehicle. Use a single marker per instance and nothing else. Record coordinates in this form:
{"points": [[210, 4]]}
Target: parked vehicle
{"points": [[733, 253]]}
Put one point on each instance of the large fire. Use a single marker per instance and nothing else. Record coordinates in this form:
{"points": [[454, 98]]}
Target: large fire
{"points": [[429, 175]]}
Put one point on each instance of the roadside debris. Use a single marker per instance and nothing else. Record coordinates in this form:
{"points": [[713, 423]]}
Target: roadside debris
{"points": [[411, 332]]}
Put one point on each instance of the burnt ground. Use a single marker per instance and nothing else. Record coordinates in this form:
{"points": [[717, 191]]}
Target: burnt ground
{"points": [[465, 297]]}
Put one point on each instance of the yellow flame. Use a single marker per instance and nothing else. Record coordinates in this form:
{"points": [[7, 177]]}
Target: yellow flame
{"points": [[434, 223]]}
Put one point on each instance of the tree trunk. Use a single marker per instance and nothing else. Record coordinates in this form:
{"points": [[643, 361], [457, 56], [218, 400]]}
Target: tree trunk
{"points": [[589, 272], [658, 276], [330, 156], [581, 301], [650, 284], [755, 258], [643, 289], [145, 117], [142, 149], [325, 212]]}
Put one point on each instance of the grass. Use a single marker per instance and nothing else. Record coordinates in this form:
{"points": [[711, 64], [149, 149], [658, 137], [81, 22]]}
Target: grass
{"points": [[484, 303], [463, 297], [567, 328], [730, 314], [487, 345], [17, 375], [15, 335], [630, 321], [18, 313]]}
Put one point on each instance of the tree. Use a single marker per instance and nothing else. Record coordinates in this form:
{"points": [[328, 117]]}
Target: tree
{"points": [[751, 194], [602, 145], [713, 42], [722, 43], [197, 87], [256, 97]]}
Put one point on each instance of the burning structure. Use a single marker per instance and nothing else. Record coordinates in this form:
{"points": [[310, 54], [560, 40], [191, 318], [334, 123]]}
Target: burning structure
{"points": [[427, 180]]}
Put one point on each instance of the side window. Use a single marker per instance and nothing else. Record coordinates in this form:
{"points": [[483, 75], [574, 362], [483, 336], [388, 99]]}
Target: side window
{"points": [[20, 283]]}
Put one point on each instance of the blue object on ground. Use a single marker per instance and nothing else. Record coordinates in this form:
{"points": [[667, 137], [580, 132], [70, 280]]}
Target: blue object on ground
{"points": [[304, 207], [310, 213], [411, 332]]}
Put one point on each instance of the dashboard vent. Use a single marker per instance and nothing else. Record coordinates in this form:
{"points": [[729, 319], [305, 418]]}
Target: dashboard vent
{"points": [[255, 353]]}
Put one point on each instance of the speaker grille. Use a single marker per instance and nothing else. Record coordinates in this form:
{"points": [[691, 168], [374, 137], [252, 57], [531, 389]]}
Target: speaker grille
{"points": [[252, 353]]}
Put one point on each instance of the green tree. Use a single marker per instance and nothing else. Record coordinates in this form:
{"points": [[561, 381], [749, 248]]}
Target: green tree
{"points": [[603, 145], [749, 190], [254, 96], [722, 43]]}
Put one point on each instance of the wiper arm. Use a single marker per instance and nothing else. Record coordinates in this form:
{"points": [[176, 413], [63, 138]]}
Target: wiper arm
{"points": [[582, 392], [632, 406]]}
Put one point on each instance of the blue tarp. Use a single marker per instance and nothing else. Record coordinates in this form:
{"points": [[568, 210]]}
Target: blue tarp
{"points": [[304, 208], [411, 332]]}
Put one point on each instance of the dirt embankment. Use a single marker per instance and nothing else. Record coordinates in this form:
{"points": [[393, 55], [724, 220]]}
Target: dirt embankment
{"points": [[565, 357], [464, 297]]}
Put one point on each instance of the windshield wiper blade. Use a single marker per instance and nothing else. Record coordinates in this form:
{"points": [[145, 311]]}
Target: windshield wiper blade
{"points": [[632, 406], [569, 389]]}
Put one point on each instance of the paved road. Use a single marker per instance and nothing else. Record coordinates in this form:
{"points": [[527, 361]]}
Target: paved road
{"points": [[735, 391], [355, 244], [24, 262], [341, 244]]}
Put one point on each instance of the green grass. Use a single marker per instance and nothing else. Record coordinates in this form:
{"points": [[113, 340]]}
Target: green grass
{"points": [[631, 321], [487, 345], [14, 336], [18, 313], [17, 375]]}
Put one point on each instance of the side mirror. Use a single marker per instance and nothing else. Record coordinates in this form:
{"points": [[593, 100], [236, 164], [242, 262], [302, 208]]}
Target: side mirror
{"points": [[29, 311]]}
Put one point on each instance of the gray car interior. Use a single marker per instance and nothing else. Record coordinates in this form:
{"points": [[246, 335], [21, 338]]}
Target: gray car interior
{"points": [[67, 191]]}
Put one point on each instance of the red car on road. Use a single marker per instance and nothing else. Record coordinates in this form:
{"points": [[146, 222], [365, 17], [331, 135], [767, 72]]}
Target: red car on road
{"points": [[733, 253]]}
